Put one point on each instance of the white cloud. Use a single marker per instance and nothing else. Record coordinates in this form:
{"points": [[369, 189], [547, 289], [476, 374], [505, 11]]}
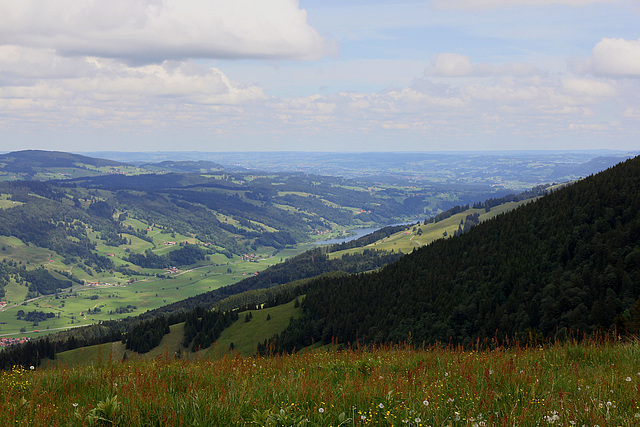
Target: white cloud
{"points": [[493, 4], [589, 88], [615, 57], [456, 65], [110, 94], [145, 31], [451, 65]]}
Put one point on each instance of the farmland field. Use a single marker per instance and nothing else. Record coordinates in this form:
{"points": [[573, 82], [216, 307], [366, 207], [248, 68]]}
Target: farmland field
{"points": [[85, 305]]}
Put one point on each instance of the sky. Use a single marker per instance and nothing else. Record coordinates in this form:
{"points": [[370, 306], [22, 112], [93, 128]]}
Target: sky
{"points": [[319, 75]]}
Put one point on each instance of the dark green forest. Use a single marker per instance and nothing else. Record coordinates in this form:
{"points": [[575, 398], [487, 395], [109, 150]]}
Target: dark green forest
{"points": [[563, 266]]}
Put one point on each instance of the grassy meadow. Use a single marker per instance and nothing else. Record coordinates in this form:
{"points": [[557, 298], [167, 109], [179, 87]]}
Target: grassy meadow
{"points": [[245, 336], [423, 234], [562, 384]]}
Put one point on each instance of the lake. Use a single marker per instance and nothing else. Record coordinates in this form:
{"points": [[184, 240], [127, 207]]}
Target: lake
{"points": [[356, 233]]}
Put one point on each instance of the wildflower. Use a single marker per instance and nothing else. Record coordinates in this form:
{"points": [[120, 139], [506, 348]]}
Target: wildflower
{"points": [[627, 379], [32, 367], [553, 418], [637, 415], [381, 406], [425, 402], [74, 404], [321, 410], [363, 417], [418, 420], [450, 400]]}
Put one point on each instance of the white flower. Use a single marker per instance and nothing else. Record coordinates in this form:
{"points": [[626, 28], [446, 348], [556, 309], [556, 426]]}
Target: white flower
{"points": [[381, 406], [627, 379], [74, 404], [637, 415], [321, 410], [552, 419], [363, 417], [450, 400], [457, 414], [425, 402], [418, 420], [32, 367]]}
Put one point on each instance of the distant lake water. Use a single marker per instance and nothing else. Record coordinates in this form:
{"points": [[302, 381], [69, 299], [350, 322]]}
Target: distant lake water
{"points": [[356, 233]]}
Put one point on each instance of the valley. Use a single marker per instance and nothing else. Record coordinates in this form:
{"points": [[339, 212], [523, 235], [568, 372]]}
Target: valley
{"points": [[528, 299]]}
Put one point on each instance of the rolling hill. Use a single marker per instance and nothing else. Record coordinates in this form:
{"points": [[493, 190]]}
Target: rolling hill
{"points": [[565, 265]]}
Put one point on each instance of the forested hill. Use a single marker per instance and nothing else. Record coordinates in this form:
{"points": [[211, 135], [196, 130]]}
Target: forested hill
{"points": [[567, 262], [19, 160]]}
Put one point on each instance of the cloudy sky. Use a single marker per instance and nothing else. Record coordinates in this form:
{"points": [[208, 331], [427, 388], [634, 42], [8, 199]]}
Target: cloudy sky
{"points": [[321, 75]]}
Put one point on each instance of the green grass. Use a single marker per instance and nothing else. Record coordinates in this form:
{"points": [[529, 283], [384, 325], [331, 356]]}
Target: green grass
{"points": [[245, 336], [170, 345], [14, 292], [146, 293], [6, 203], [16, 250], [410, 239], [96, 354], [563, 384]]}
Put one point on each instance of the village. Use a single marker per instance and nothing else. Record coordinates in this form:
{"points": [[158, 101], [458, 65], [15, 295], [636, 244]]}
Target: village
{"points": [[7, 341]]}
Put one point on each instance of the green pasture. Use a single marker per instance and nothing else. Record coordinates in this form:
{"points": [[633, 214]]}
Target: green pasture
{"points": [[71, 306], [422, 235], [245, 336], [6, 203], [13, 249], [170, 345], [96, 354]]}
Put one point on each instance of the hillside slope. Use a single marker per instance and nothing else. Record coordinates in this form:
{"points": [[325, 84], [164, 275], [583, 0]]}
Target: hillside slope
{"points": [[568, 262]]}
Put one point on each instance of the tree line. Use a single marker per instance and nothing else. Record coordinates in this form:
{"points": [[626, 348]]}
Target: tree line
{"points": [[567, 264]]}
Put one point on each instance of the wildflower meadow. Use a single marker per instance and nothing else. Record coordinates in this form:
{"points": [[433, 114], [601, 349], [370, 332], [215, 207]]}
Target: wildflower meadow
{"points": [[586, 384]]}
